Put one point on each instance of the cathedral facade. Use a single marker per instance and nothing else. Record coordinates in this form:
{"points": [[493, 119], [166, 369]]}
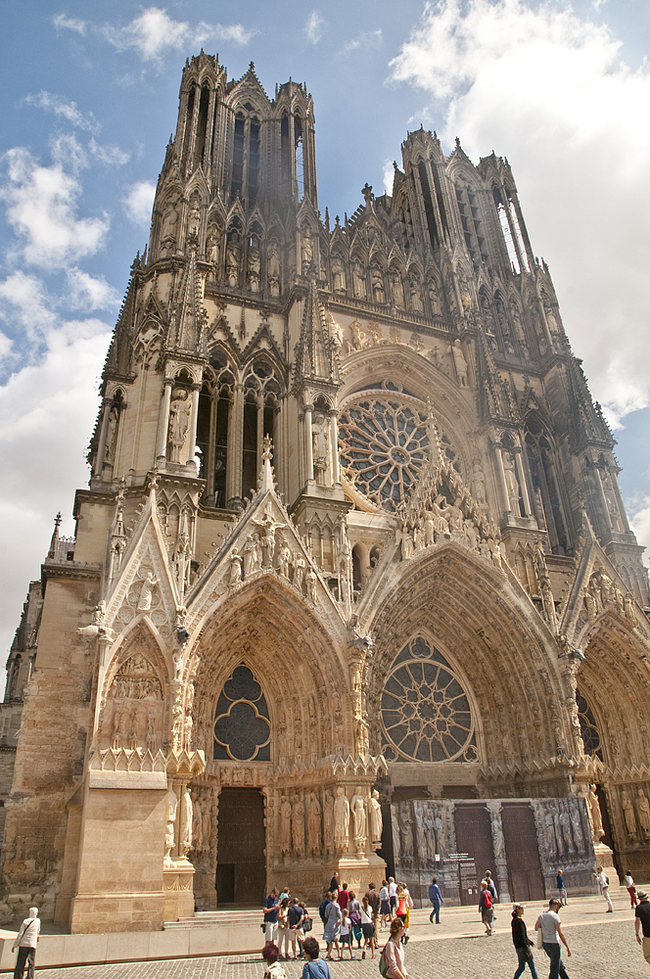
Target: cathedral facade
{"points": [[352, 581]]}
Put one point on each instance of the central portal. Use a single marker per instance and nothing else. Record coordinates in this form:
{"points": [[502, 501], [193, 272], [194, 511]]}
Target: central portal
{"points": [[241, 868]]}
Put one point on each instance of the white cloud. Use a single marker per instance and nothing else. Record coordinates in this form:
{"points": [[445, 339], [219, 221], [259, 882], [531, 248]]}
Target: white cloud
{"points": [[367, 39], [314, 27], [388, 175], [89, 292], [153, 34], [61, 107], [638, 511], [27, 308], [63, 23], [109, 156], [549, 90], [138, 202], [42, 206]]}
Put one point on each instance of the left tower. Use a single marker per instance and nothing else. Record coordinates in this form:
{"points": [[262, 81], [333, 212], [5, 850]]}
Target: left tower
{"points": [[175, 690]]}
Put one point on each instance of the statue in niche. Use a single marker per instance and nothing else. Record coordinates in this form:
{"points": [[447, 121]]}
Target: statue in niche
{"points": [[299, 572], [274, 271], [478, 483], [377, 280], [406, 834], [313, 822], [212, 249], [298, 824], [643, 810], [138, 732], [628, 813], [206, 823], [111, 434], [338, 274], [170, 828], [341, 818], [358, 279], [512, 483], [307, 250], [197, 824], [194, 217], [250, 548], [595, 815], [319, 437], [145, 600], [310, 579], [179, 422], [397, 288], [376, 818], [416, 295], [358, 807], [169, 224], [284, 560], [459, 363], [187, 815], [284, 835], [328, 819], [357, 336], [151, 730], [254, 266], [233, 263], [121, 725], [434, 300], [235, 567]]}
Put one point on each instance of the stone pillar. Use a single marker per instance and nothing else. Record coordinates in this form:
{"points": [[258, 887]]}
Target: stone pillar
{"points": [[522, 481], [334, 450], [101, 447], [194, 414], [502, 476], [499, 847], [163, 421], [235, 447], [309, 448]]}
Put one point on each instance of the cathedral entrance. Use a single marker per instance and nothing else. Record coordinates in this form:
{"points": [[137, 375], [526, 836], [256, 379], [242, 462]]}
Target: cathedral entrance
{"points": [[524, 871], [241, 867], [474, 838]]}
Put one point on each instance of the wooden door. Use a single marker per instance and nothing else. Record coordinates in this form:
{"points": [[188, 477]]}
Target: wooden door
{"points": [[241, 868], [473, 837], [524, 870]]}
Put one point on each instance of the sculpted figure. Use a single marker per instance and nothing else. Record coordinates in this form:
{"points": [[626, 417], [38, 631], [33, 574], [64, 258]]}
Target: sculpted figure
{"points": [[170, 222], [595, 816], [338, 275], [433, 298], [172, 806], [299, 572], [194, 218], [460, 363], [313, 822], [307, 251], [359, 817], [179, 422], [628, 812], [319, 442], [151, 729], [254, 269], [310, 578], [284, 559], [284, 835], [478, 483], [187, 815], [298, 824], [274, 272], [359, 280], [197, 824], [328, 819], [146, 592], [341, 818], [416, 295], [378, 290], [249, 557], [376, 818], [512, 483], [397, 288], [643, 809], [121, 724], [233, 261], [235, 567], [206, 824]]}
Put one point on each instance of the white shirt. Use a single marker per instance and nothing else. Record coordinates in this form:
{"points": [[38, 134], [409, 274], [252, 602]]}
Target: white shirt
{"points": [[27, 937], [629, 881], [602, 879], [392, 889], [548, 922]]}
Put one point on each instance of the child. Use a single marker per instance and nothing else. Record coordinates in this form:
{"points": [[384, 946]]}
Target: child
{"points": [[346, 934], [367, 927]]}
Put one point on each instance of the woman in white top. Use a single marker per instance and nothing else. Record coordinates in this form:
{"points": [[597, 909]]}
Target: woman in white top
{"points": [[631, 889]]}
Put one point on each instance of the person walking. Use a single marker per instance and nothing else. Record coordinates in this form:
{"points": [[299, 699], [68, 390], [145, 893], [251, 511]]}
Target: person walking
{"points": [[603, 880], [368, 927], [375, 903], [631, 889], [393, 953], [559, 880], [384, 905], [436, 900], [522, 942], [392, 894], [551, 927], [354, 910], [332, 928], [485, 907], [642, 923], [26, 942]]}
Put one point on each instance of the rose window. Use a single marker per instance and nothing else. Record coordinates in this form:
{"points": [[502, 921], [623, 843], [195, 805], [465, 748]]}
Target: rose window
{"points": [[425, 711], [241, 729], [383, 445]]}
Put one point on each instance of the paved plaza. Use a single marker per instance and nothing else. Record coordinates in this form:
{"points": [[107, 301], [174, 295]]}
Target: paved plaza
{"points": [[603, 947]]}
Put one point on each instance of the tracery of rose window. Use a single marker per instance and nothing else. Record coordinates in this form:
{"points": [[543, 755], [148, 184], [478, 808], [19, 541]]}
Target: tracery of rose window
{"points": [[383, 444]]}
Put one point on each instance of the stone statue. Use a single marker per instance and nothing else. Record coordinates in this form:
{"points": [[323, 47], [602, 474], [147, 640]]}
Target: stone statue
{"points": [[249, 557], [397, 289], [206, 823], [121, 725], [643, 810], [628, 813], [151, 730], [359, 280], [179, 422], [512, 483], [307, 251], [359, 817], [338, 275], [254, 265], [197, 824], [416, 295], [595, 815], [434, 301], [284, 835], [459, 363], [313, 823], [170, 829], [378, 290], [284, 560], [233, 262], [194, 218], [235, 567], [310, 579], [146, 592], [274, 272], [376, 818], [478, 483], [341, 818], [328, 819], [170, 222], [298, 824], [299, 572], [319, 428]]}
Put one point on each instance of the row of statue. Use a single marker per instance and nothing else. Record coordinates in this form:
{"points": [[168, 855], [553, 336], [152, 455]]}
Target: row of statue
{"points": [[180, 820], [443, 520], [134, 726], [260, 553], [337, 824], [602, 594], [636, 814]]}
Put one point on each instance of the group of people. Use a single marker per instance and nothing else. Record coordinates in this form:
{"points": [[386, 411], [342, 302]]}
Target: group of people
{"points": [[286, 922]]}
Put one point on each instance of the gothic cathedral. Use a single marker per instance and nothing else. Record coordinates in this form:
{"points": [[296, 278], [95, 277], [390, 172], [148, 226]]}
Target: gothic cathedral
{"points": [[352, 583]]}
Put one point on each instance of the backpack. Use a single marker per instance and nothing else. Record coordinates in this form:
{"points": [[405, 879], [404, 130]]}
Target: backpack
{"points": [[607, 879], [486, 898], [383, 964]]}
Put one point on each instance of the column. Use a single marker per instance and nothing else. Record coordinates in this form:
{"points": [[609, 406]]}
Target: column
{"points": [[210, 455], [499, 846], [309, 448], [521, 476], [101, 446], [235, 447], [502, 476], [334, 450], [194, 414], [260, 432], [163, 420]]}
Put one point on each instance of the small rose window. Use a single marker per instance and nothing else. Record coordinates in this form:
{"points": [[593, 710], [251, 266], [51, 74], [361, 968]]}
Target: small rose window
{"points": [[241, 729]]}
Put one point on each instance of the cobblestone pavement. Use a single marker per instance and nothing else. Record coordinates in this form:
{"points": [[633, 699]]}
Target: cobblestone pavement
{"points": [[603, 947]]}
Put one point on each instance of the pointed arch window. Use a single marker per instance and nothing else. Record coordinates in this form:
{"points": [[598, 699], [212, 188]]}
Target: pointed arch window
{"points": [[242, 730], [246, 154], [589, 728]]}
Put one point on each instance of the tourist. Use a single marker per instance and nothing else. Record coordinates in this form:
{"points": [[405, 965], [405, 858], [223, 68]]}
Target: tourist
{"points": [[346, 933], [436, 900], [631, 889], [332, 927], [485, 907], [642, 920], [559, 881], [384, 904], [522, 942], [551, 927], [271, 904], [368, 927], [334, 883], [354, 910], [322, 907], [296, 916], [300, 933], [344, 897], [491, 887], [271, 954], [603, 881], [392, 894], [314, 967], [26, 942], [393, 953], [283, 928], [375, 903], [402, 904], [409, 905]]}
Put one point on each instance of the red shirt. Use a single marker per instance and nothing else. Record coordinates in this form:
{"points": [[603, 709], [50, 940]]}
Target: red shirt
{"points": [[344, 897]]}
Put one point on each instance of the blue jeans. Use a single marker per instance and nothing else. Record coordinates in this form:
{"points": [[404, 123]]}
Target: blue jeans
{"points": [[552, 949], [436, 912], [521, 953]]}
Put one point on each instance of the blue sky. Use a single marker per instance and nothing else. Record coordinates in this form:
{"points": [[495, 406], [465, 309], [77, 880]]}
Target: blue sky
{"points": [[90, 97]]}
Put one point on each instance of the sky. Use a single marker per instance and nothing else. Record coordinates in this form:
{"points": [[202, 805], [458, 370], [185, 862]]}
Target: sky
{"points": [[90, 99]]}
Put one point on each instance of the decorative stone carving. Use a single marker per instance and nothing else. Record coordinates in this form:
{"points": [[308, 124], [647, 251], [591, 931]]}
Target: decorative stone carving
{"points": [[376, 818], [341, 819]]}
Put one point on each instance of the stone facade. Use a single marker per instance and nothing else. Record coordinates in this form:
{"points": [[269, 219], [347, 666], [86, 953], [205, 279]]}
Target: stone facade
{"points": [[353, 535]]}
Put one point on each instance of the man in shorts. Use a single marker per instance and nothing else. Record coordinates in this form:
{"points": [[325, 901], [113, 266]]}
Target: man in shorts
{"points": [[642, 923]]}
